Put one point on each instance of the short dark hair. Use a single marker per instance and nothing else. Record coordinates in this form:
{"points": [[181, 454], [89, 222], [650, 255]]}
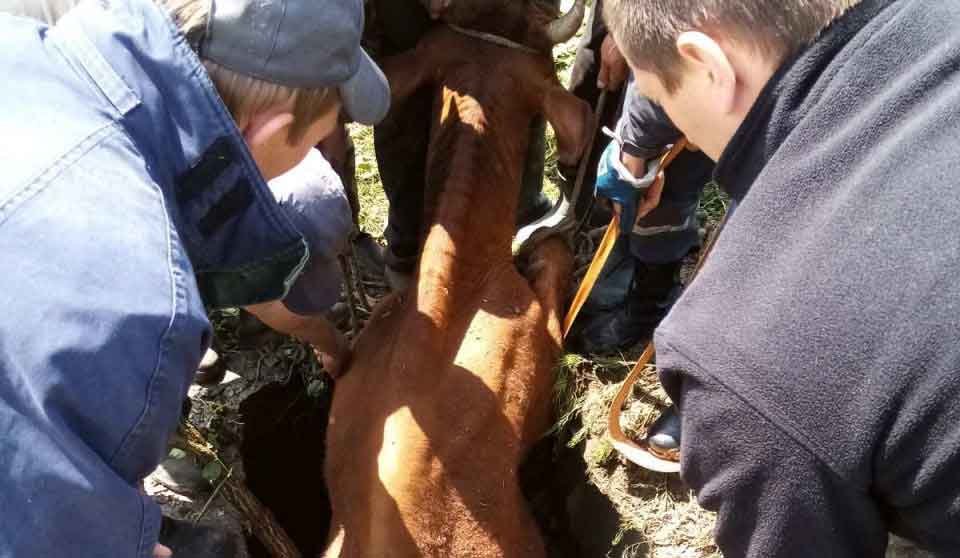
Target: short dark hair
{"points": [[647, 30]]}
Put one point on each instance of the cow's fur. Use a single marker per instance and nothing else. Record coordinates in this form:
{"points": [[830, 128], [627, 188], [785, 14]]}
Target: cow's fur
{"points": [[451, 381]]}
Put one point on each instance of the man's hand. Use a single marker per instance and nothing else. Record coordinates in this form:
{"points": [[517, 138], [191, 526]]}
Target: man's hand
{"points": [[613, 66], [651, 198], [328, 344], [160, 551], [335, 363], [626, 187]]}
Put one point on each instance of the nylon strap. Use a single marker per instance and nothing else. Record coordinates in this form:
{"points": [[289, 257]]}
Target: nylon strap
{"points": [[491, 38], [633, 451], [623, 444], [593, 273]]}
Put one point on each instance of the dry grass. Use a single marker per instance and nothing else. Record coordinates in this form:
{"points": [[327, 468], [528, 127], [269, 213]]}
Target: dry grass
{"points": [[658, 508]]}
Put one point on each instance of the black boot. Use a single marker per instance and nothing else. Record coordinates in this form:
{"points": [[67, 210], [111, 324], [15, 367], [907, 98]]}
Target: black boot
{"points": [[663, 437], [652, 291], [212, 369], [369, 254], [199, 541]]}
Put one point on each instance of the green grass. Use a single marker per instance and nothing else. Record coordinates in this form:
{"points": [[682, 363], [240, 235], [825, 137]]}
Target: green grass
{"points": [[373, 202], [713, 205]]}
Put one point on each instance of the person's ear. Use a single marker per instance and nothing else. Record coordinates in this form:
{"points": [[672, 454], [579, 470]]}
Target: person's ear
{"points": [[708, 61], [262, 129]]}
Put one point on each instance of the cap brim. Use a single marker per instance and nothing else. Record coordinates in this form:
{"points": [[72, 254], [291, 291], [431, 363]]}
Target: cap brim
{"points": [[366, 96]]}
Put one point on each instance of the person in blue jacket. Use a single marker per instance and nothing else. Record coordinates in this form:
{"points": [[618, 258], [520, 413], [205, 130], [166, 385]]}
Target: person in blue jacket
{"points": [[659, 227], [642, 277], [814, 358], [137, 138]]}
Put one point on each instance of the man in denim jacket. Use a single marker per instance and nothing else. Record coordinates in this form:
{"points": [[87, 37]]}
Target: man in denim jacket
{"points": [[134, 194]]}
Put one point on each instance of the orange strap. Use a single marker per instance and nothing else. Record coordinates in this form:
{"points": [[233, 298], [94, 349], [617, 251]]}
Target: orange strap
{"points": [[593, 272], [630, 449], [606, 245], [633, 451]]}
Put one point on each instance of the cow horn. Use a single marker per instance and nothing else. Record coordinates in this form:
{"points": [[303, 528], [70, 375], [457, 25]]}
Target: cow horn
{"points": [[566, 26]]}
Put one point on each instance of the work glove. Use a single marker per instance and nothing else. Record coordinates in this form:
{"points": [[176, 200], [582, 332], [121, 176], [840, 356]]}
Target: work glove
{"points": [[615, 182]]}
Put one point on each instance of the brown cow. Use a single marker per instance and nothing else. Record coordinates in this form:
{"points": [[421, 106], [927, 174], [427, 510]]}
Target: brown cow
{"points": [[451, 381]]}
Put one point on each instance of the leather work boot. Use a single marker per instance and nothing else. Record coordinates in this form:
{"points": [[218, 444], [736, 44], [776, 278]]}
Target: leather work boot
{"points": [[212, 369], [663, 437], [398, 269], [181, 474], [649, 296], [199, 541], [369, 254], [537, 208]]}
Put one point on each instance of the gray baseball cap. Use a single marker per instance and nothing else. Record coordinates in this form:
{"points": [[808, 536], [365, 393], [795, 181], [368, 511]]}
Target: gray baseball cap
{"points": [[300, 43]]}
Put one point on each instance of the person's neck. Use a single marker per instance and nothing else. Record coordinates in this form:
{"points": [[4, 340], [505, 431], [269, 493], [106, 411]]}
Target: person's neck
{"points": [[784, 97], [755, 69]]}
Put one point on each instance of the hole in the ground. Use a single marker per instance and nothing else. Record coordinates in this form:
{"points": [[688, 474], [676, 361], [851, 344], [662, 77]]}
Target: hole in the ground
{"points": [[576, 519], [283, 451], [283, 447]]}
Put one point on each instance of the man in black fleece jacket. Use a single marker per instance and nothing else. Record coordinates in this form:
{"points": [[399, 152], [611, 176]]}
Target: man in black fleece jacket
{"points": [[815, 358]]}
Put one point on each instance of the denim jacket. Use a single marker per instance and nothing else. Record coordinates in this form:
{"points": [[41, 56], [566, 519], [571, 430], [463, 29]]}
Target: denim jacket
{"points": [[128, 202]]}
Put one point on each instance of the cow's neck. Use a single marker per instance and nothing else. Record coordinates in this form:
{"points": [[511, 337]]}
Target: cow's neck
{"points": [[473, 183]]}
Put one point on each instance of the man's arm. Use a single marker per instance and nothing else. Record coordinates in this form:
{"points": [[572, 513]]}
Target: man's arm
{"points": [[775, 499], [645, 130], [314, 198], [645, 127], [316, 330]]}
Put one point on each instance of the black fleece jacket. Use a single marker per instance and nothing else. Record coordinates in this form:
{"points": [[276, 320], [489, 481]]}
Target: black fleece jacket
{"points": [[816, 358]]}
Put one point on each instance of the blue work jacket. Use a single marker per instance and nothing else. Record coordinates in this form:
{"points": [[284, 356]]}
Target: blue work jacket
{"points": [[128, 203]]}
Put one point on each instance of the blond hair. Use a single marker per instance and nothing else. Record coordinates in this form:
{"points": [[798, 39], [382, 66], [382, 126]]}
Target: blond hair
{"points": [[243, 95], [647, 30]]}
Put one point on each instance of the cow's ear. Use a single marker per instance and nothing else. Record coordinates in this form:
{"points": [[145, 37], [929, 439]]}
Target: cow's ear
{"points": [[407, 72], [570, 118]]}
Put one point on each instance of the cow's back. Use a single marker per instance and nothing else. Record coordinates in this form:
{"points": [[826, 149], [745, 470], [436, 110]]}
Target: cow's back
{"points": [[429, 427]]}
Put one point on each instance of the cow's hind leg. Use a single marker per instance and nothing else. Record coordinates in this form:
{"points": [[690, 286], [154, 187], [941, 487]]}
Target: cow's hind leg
{"points": [[549, 270], [335, 542]]}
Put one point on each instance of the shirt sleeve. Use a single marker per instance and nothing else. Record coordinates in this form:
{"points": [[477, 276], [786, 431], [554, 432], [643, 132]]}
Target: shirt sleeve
{"points": [[774, 498], [644, 126], [314, 199]]}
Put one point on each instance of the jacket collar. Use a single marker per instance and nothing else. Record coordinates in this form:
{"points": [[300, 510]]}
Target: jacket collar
{"points": [[242, 247], [784, 101]]}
